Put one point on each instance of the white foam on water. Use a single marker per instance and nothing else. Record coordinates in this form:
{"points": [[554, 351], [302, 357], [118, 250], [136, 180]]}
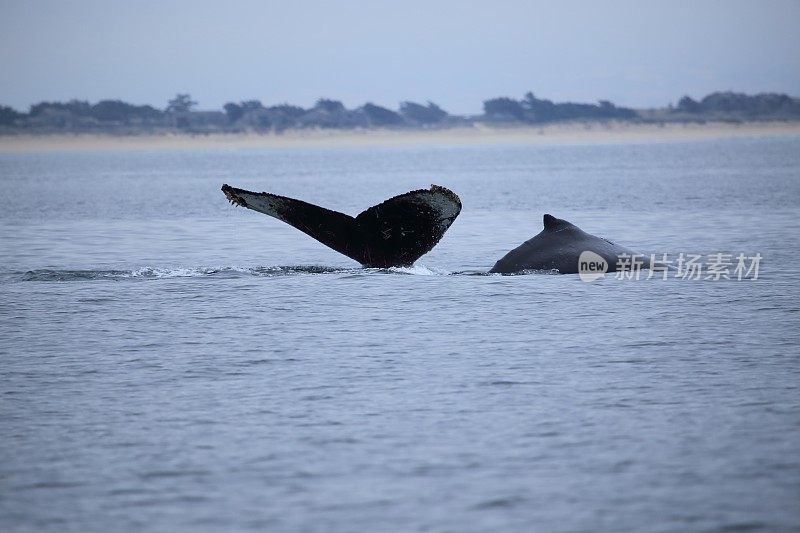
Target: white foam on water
{"points": [[420, 270], [161, 273]]}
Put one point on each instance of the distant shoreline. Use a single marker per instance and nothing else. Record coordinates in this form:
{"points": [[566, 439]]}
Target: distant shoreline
{"points": [[553, 133]]}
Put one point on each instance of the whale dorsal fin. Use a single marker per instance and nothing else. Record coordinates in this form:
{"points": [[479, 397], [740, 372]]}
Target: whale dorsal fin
{"points": [[552, 223]]}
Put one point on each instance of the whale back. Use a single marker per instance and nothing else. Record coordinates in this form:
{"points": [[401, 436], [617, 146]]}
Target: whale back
{"points": [[558, 247]]}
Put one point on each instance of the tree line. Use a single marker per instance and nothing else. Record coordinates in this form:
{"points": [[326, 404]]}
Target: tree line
{"points": [[765, 104], [181, 113]]}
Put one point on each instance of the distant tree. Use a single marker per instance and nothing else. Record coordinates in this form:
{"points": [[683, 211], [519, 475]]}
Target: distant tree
{"points": [[688, 105], [250, 105], [774, 103], [37, 109], [8, 115], [180, 104], [111, 110], [763, 104], [380, 116], [609, 110], [421, 114], [148, 112], [290, 111], [284, 116], [328, 113], [539, 110], [503, 108], [529, 101], [329, 106], [119, 111], [74, 107], [740, 105], [542, 110], [79, 107], [727, 102], [237, 111], [234, 111]]}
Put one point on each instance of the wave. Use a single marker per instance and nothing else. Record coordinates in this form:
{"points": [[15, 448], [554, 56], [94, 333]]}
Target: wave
{"points": [[158, 273], [418, 270], [145, 273]]}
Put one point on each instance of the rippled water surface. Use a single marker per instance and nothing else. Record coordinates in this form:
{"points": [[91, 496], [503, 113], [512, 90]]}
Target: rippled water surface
{"points": [[169, 362]]}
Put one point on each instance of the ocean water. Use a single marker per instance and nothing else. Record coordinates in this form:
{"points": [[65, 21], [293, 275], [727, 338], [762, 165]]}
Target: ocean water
{"points": [[169, 362]]}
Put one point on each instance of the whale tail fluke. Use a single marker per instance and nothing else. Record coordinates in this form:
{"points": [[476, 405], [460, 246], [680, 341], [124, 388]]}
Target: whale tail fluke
{"points": [[396, 232]]}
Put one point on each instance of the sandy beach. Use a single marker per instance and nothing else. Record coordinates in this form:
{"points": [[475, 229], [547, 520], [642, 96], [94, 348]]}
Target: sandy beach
{"points": [[569, 133]]}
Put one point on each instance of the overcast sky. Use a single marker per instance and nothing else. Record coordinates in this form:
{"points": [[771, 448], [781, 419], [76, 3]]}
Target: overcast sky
{"points": [[454, 52]]}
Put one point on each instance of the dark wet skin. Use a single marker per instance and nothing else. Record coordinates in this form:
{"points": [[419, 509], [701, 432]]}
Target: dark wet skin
{"points": [[558, 247], [396, 232]]}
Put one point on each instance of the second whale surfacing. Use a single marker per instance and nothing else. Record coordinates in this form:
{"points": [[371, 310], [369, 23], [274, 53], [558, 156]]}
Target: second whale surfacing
{"points": [[393, 233], [559, 247]]}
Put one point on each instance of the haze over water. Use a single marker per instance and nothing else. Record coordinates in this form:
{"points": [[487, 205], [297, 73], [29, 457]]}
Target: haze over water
{"points": [[173, 363]]}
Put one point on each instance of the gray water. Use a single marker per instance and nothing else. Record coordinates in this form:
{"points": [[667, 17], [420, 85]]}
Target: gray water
{"points": [[172, 363]]}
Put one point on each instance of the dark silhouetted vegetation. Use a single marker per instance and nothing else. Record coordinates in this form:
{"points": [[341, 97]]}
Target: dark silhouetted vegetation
{"points": [[233, 111], [503, 109], [283, 116], [74, 107], [8, 115], [116, 116], [330, 106], [119, 111], [741, 105], [81, 115], [536, 111], [688, 105], [422, 114], [380, 116], [182, 103]]}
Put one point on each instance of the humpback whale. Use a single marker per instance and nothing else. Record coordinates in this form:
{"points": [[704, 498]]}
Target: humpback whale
{"points": [[396, 232], [400, 230], [559, 246]]}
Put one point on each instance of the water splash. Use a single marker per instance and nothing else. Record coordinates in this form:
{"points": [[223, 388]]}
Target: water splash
{"points": [[418, 270], [227, 272], [154, 273]]}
